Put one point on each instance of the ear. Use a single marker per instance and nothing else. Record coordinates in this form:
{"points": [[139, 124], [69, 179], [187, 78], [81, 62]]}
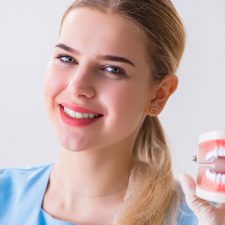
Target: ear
{"points": [[163, 91]]}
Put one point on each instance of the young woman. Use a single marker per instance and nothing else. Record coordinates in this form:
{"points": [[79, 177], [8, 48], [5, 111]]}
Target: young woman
{"points": [[112, 71]]}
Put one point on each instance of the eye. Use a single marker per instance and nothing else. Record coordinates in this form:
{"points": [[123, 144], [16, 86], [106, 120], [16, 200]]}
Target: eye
{"points": [[66, 59], [115, 70]]}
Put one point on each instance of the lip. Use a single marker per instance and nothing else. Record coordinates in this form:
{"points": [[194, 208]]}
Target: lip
{"points": [[79, 109], [76, 122]]}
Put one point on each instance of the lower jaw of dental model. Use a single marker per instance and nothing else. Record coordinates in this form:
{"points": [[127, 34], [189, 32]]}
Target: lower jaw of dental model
{"points": [[210, 179]]}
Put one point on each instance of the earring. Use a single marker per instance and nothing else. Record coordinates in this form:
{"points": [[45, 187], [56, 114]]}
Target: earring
{"points": [[154, 111]]}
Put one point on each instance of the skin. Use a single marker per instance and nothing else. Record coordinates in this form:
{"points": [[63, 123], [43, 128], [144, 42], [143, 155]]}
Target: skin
{"points": [[96, 159]]}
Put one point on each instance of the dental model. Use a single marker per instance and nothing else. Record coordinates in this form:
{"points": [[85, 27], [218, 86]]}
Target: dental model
{"points": [[211, 167]]}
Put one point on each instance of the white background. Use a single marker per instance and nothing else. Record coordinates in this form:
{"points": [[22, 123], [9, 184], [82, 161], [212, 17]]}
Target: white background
{"points": [[28, 32]]}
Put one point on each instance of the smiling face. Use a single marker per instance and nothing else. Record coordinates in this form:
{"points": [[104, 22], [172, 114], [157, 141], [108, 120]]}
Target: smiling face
{"points": [[99, 67]]}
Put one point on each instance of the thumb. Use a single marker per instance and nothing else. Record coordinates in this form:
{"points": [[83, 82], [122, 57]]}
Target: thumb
{"points": [[199, 206], [187, 184]]}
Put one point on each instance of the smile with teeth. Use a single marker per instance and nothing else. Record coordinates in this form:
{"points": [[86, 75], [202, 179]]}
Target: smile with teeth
{"points": [[78, 115]]}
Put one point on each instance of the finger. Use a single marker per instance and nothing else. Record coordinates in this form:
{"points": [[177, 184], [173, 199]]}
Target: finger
{"points": [[207, 214], [199, 206], [187, 184], [221, 206]]}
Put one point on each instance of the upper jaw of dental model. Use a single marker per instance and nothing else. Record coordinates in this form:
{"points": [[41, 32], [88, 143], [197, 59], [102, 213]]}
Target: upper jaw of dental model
{"points": [[215, 153]]}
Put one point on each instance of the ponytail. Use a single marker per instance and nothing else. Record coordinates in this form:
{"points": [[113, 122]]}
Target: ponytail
{"points": [[152, 197]]}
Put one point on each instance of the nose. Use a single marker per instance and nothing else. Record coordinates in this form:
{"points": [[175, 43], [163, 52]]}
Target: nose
{"points": [[81, 84]]}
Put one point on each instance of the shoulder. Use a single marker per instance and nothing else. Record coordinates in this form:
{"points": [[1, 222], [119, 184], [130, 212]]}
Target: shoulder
{"points": [[15, 178], [19, 190], [9, 176], [185, 216]]}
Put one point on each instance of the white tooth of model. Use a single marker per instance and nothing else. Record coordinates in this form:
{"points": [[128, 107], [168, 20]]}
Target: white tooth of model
{"points": [[218, 178], [223, 179]]}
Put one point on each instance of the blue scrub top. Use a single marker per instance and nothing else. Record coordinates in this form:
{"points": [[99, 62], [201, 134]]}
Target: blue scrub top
{"points": [[22, 192]]}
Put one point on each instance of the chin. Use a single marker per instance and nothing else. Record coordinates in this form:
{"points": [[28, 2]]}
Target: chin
{"points": [[74, 145], [71, 146]]}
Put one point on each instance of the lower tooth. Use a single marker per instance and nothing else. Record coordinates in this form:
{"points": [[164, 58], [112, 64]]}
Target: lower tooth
{"points": [[223, 178], [218, 178], [215, 177]]}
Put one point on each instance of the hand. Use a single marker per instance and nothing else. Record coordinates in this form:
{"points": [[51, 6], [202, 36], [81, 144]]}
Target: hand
{"points": [[206, 213]]}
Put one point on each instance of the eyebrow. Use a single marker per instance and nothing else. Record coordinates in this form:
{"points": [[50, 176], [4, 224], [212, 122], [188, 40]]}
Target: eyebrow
{"points": [[105, 57]]}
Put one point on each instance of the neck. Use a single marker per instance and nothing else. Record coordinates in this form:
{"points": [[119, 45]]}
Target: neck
{"points": [[93, 173]]}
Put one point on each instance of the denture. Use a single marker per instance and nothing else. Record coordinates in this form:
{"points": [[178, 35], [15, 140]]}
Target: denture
{"points": [[211, 166]]}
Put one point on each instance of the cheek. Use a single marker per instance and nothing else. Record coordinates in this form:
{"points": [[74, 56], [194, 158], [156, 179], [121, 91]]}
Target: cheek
{"points": [[127, 101], [53, 85], [133, 99]]}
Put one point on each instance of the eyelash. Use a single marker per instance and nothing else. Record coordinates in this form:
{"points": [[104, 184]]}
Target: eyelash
{"points": [[59, 57], [119, 70]]}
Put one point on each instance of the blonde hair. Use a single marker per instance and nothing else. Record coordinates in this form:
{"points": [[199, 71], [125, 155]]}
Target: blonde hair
{"points": [[152, 197]]}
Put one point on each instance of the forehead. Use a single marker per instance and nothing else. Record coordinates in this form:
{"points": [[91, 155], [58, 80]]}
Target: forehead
{"points": [[95, 31]]}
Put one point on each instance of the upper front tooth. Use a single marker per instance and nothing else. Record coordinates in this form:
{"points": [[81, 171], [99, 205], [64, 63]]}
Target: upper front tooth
{"points": [[91, 116], [78, 115], [85, 115], [69, 111]]}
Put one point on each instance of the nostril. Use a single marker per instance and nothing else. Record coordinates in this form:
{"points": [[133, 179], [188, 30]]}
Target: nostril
{"points": [[82, 91]]}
